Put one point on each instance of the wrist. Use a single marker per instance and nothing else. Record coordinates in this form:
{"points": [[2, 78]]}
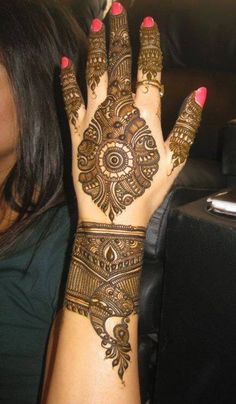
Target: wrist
{"points": [[103, 283], [135, 217]]}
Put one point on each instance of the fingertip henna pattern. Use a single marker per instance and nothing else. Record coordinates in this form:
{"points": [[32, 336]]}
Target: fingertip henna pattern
{"points": [[71, 93], [184, 132], [97, 58], [150, 57], [103, 283]]}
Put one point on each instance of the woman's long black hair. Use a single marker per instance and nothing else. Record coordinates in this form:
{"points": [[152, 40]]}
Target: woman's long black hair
{"points": [[33, 36]]}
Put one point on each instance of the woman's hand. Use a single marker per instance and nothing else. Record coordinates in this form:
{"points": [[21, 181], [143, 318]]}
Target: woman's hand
{"points": [[122, 168]]}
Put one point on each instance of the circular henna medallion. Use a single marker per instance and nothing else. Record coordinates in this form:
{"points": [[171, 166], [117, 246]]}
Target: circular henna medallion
{"points": [[115, 160]]}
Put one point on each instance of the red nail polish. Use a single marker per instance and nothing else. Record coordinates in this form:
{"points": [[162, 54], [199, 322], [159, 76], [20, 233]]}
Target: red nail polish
{"points": [[116, 8], [148, 22], [96, 25], [65, 62], [200, 96]]}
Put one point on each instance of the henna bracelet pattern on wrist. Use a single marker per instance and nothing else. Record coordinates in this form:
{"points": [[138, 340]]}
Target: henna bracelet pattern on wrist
{"points": [[103, 282]]}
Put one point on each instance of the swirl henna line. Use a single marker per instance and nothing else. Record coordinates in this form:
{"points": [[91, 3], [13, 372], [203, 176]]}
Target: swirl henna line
{"points": [[118, 156], [184, 132], [103, 282], [150, 57], [71, 94], [97, 59]]}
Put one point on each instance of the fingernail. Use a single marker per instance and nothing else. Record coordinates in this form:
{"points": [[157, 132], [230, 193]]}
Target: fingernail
{"points": [[148, 22], [116, 8], [96, 25], [65, 62], [200, 96]]}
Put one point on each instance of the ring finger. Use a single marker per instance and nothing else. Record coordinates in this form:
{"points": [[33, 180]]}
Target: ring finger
{"points": [[149, 86]]}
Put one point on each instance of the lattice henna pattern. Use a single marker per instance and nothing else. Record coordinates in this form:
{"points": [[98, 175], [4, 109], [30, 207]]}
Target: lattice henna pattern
{"points": [[184, 131], [103, 282]]}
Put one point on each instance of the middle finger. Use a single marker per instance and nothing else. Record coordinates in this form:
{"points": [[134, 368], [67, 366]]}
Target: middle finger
{"points": [[119, 70]]}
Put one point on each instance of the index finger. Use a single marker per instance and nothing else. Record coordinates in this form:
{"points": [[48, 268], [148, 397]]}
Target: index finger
{"points": [[119, 70]]}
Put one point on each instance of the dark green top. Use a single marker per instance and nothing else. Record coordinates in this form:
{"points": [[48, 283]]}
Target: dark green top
{"points": [[29, 298]]}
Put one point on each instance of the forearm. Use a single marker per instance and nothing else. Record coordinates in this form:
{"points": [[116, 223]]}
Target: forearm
{"points": [[100, 318], [82, 376]]}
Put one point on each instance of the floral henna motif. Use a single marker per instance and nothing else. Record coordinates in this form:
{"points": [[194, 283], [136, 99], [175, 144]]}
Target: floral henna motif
{"points": [[184, 132], [150, 58], [97, 59], [104, 282], [71, 94], [117, 157]]}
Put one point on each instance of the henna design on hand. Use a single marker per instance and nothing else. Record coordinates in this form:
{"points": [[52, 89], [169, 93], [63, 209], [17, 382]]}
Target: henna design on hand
{"points": [[97, 59], [150, 57], [71, 94], [103, 282], [118, 156], [184, 132]]}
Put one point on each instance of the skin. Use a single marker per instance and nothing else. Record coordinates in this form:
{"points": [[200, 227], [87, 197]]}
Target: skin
{"points": [[8, 139]]}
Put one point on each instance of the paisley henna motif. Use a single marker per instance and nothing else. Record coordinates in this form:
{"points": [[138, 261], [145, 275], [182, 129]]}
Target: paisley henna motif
{"points": [[117, 157], [104, 282], [71, 94], [97, 59], [150, 57], [184, 131]]}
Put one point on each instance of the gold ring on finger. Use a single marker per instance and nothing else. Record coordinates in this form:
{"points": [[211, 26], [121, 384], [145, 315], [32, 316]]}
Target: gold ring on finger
{"points": [[154, 83]]}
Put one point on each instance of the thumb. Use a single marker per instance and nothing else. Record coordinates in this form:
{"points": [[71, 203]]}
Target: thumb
{"points": [[184, 132]]}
